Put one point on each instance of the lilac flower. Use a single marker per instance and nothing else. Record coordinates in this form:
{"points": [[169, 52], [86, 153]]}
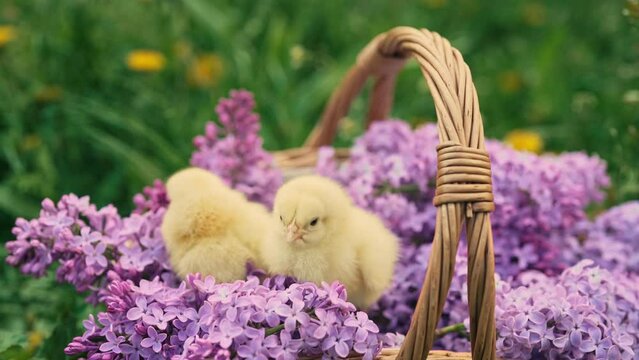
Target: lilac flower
{"points": [[253, 349], [154, 341], [90, 326], [238, 157], [182, 313], [113, 343], [147, 287], [326, 320], [147, 321], [139, 310], [563, 316], [225, 333], [32, 256], [362, 325], [206, 286], [89, 243], [81, 345], [157, 317], [611, 239], [151, 199], [134, 350], [294, 314], [205, 315], [94, 255], [56, 222], [338, 341]]}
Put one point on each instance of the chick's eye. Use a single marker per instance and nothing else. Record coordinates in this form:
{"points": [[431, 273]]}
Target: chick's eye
{"points": [[314, 221]]}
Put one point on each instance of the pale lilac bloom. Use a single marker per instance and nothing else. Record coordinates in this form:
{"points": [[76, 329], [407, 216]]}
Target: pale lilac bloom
{"points": [[225, 333], [134, 350], [154, 340], [113, 343], [95, 255]]}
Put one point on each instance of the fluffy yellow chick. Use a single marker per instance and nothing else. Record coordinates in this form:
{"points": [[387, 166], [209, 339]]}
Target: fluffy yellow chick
{"points": [[320, 235], [210, 228]]}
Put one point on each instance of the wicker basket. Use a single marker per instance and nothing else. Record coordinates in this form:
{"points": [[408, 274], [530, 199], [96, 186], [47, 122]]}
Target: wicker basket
{"points": [[463, 194]]}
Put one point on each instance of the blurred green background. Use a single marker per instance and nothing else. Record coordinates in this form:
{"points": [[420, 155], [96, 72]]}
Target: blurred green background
{"points": [[102, 97]]}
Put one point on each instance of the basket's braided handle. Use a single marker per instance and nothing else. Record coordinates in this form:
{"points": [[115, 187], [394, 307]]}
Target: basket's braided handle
{"points": [[464, 190]]}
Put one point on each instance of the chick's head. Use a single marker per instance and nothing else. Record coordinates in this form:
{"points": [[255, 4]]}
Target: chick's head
{"points": [[310, 210]]}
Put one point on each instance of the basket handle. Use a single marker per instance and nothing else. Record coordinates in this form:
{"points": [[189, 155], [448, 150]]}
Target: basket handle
{"points": [[464, 190]]}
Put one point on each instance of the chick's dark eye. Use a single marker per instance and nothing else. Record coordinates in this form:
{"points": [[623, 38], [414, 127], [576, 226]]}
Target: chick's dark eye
{"points": [[314, 221]]}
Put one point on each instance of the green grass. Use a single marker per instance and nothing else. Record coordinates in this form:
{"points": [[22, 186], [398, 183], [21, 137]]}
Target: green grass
{"points": [[567, 70]]}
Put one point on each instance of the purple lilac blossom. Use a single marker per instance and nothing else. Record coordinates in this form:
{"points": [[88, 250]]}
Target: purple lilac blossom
{"points": [[611, 239], [234, 151], [91, 245], [152, 198], [201, 319], [585, 313]]}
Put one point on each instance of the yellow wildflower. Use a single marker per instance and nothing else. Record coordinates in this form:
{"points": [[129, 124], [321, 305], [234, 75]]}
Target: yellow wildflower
{"points": [[145, 60], [49, 93], [205, 70], [34, 340], [525, 140], [7, 34]]}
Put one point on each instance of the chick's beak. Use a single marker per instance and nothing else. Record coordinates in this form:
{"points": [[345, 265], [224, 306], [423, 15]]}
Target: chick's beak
{"points": [[294, 233]]}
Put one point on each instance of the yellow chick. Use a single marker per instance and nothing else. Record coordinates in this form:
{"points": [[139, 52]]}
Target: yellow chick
{"points": [[320, 235], [210, 228]]}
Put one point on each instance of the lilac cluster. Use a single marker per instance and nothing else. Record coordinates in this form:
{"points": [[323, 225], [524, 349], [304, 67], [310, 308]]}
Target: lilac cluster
{"points": [[234, 151], [612, 238], [199, 319], [585, 313], [392, 172], [539, 200], [92, 246], [152, 198]]}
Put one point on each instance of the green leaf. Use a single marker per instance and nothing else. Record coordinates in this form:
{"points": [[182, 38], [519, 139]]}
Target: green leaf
{"points": [[10, 339], [16, 352], [61, 336]]}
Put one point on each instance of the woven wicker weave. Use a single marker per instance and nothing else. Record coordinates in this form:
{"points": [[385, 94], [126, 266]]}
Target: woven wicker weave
{"points": [[464, 192]]}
